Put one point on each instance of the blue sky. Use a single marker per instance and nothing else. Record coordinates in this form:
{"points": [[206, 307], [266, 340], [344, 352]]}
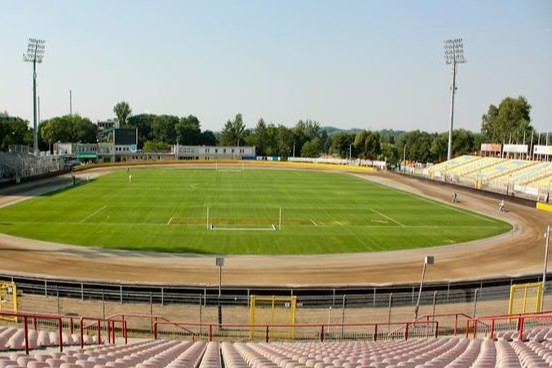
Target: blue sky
{"points": [[351, 64]]}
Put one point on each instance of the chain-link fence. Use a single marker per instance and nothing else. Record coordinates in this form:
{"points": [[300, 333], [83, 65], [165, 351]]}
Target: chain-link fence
{"points": [[144, 305]]}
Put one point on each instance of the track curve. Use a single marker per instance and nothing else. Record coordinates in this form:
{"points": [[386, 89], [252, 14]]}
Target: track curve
{"points": [[519, 252]]}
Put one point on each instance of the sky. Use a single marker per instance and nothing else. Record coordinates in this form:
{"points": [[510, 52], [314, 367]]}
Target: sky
{"points": [[344, 63]]}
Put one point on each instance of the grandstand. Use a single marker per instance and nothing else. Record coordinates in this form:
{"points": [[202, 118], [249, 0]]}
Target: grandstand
{"points": [[502, 341], [20, 164], [526, 178], [524, 340]]}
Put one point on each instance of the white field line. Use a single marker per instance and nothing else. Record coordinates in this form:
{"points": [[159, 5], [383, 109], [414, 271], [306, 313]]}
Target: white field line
{"points": [[314, 223], [169, 222], [93, 214], [433, 201], [270, 228], [387, 217], [214, 228]]}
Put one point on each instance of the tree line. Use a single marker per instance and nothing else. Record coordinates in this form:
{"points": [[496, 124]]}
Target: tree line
{"points": [[509, 122]]}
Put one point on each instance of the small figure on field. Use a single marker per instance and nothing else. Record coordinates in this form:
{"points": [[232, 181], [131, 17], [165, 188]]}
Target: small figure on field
{"points": [[502, 206], [454, 197]]}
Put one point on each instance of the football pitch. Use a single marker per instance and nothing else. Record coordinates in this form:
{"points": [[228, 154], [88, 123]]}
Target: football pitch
{"points": [[236, 211]]}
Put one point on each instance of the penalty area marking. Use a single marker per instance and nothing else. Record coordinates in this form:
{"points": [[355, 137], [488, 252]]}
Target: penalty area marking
{"points": [[214, 228], [316, 224], [387, 217], [93, 214]]}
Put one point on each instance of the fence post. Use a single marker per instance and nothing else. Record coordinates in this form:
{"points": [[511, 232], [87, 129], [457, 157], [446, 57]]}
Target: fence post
{"points": [[82, 332], [26, 335], [99, 332], [521, 325], [266, 334], [455, 324], [322, 333], [475, 302], [406, 331], [343, 317], [60, 324], [200, 316], [389, 313], [57, 297]]}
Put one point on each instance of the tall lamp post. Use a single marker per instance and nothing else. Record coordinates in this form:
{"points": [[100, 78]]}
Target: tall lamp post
{"points": [[35, 54], [427, 260], [454, 54], [547, 237], [220, 263]]}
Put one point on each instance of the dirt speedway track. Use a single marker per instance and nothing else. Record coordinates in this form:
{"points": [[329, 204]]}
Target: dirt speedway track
{"points": [[519, 252]]}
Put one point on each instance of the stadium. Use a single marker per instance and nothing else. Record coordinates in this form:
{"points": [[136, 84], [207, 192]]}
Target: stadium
{"points": [[371, 294], [141, 227]]}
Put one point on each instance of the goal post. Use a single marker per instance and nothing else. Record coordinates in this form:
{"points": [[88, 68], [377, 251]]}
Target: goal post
{"points": [[273, 310], [525, 298], [8, 300]]}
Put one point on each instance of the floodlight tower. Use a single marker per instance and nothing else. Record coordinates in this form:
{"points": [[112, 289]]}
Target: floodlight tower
{"points": [[35, 54], [454, 54]]}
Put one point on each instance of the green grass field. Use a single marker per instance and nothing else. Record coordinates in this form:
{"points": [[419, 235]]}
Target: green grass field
{"points": [[206, 211]]}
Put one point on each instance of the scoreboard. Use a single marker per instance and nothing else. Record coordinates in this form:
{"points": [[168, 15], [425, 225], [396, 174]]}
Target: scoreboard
{"points": [[126, 136]]}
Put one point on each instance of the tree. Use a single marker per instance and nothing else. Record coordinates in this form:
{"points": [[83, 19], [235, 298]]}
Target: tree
{"points": [[68, 129], [164, 128], [284, 140], [368, 144], [232, 132], [341, 143], [144, 123], [311, 148], [14, 130], [509, 122], [304, 131], [415, 145], [208, 138], [122, 112], [156, 146], [439, 147], [261, 137], [188, 131]]}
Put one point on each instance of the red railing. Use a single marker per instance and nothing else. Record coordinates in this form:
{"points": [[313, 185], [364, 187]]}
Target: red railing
{"points": [[320, 332], [444, 315], [31, 318], [512, 323], [110, 327]]}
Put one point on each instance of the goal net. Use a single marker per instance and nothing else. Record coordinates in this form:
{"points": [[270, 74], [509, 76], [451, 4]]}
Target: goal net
{"points": [[525, 298], [229, 167], [276, 311], [8, 300]]}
